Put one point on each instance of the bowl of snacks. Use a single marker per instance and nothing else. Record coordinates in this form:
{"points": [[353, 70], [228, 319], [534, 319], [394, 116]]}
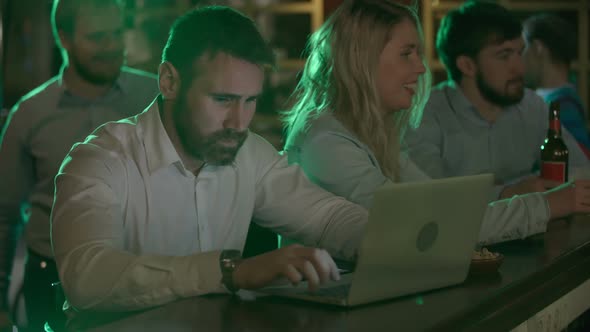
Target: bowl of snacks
{"points": [[484, 262]]}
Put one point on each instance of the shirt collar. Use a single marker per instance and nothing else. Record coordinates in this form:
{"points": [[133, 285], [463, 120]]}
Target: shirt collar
{"points": [[462, 106], [457, 99], [160, 152], [120, 84]]}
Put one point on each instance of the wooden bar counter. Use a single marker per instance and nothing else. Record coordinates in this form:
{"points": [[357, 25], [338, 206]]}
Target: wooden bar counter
{"points": [[543, 284]]}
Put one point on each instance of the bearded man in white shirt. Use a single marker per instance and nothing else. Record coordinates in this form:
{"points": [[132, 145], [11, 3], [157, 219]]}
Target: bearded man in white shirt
{"points": [[154, 208]]}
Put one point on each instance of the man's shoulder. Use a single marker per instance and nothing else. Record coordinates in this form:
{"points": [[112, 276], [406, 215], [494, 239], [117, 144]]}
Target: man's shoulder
{"points": [[531, 102], [112, 136], [123, 130], [440, 87], [257, 143], [105, 149], [530, 95], [138, 74], [440, 91], [40, 98], [256, 150], [139, 79], [439, 98], [35, 106]]}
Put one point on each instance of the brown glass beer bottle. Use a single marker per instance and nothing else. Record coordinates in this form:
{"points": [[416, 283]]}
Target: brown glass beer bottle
{"points": [[554, 152]]}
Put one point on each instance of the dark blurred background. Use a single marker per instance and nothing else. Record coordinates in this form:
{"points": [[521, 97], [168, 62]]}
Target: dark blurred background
{"points": [[28, 54]]}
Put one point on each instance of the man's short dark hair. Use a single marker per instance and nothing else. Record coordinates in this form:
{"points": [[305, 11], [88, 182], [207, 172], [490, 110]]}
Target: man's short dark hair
{"points": [[467, 29], [558, 36], [211, 30], [64, 13]]}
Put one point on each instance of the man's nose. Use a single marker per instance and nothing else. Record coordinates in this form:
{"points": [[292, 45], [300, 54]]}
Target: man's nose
{"points": [[233, 119]]}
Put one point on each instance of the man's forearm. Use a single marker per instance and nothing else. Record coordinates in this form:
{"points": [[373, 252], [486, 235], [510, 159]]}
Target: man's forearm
{"points": [[99, 278]]}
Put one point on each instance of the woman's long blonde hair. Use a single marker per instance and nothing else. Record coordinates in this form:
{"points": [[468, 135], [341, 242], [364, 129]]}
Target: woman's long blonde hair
{"points": [[339, 76]]}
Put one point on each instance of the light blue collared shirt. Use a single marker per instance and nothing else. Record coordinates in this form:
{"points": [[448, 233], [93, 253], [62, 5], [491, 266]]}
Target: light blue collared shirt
{"points": [[454, 140]]}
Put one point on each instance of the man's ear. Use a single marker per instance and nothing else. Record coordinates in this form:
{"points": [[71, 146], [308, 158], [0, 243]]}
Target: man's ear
{"points": [[168, 80], [466, 65]]}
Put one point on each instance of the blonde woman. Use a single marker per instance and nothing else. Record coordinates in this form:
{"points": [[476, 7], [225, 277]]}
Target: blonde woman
{"points": [[364, 84]]}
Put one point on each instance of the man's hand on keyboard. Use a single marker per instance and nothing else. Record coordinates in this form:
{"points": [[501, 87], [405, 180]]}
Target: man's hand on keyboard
{"points": [[295, 262]]}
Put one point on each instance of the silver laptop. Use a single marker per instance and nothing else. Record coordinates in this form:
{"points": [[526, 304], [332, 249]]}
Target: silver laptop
{"points": [[420, 236]]}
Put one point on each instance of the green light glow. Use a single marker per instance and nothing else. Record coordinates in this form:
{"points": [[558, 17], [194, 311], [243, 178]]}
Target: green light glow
{"points": [[419, 300]]}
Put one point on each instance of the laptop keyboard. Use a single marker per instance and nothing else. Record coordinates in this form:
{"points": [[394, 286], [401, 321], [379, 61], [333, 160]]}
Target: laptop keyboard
{"points": [[339, 290], [335, 291], [332, 291]]}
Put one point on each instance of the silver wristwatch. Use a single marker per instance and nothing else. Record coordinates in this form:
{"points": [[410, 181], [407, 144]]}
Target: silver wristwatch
{"points": [[228, 261]]}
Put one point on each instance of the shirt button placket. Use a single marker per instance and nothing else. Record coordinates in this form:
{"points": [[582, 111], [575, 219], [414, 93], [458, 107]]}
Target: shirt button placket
{"points": [[201, 187], [198, 228]]}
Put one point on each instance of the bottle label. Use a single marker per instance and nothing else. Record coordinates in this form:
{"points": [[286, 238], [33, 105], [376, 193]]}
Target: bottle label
{"points": [[554, 171]]}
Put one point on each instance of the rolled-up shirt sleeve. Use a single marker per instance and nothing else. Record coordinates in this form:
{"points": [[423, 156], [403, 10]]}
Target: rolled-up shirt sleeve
{"points": [[88, 227], [515, 218], [509, 219], [290, 204]]}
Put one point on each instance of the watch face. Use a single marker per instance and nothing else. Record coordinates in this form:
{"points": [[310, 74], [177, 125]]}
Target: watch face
{"points": [[228, 262]]}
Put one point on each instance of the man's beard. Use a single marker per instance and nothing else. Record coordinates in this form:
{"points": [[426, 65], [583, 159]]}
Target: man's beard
{"points": [[495, 97], [90, 76], [208, 149]]}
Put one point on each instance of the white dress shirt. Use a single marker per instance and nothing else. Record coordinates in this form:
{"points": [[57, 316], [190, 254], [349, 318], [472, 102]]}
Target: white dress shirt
{"points": [[132, 228]]}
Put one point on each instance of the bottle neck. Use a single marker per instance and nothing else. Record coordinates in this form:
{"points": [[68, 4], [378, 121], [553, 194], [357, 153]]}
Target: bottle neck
{"points": [[554, 125]]}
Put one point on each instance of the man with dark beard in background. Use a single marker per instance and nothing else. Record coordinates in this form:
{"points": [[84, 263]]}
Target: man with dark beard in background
{"points": [[483, 120], [92, 87]]}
